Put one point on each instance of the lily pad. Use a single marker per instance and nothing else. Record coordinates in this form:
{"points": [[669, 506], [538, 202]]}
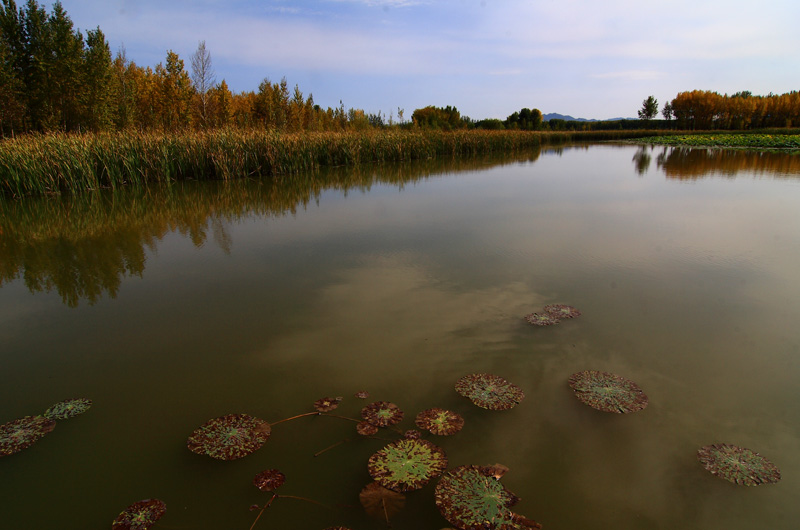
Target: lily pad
{"points": [[608, 392], [541, 319], [68, 409], [439, 421], [407, 465], [738, 465], [381, 502], [269, 480], [412, 434], [471, 498], [327, 404], [22, 433], [365, 428], [382, 413], [229, 437], [562, 311], [140, 515], [362, 394], [490, 391]]}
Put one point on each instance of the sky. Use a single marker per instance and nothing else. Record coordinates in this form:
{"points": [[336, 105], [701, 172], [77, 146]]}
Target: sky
{"points": [[488, 58]]}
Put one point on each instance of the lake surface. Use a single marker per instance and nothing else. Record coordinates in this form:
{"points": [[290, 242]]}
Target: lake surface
{"points": [[175, 305]]}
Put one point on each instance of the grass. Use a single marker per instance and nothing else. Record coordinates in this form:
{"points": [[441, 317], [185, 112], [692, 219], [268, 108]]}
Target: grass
{"points": [[57, 163], [736, 140]]}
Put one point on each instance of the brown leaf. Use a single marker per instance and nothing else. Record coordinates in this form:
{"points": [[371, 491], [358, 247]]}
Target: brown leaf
{"points": [[381, 502]]}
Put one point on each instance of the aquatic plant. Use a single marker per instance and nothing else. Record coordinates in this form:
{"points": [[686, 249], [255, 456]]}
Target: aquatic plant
{"points": [[407, 465], [472, 498], [561, 311], [362, 394], [490, 391], [140, 515], [381, 502], [738, 464], [68, 408], [439, 421], [608, 392], [327, 404], [269, 480], [20, 434], [365, 428], [541, 319], [229, 437], [382, 414]]}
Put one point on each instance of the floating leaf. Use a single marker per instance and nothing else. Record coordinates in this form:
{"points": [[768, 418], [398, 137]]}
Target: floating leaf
{"points": [[607, 392], [336, 528], [140, 515], [362, 394], [382, 413], [489, 391], [365, 428], [22, 433], [412, 434], [269, 480], [67, 409], [327, 404], [407, 465], [738, 465], [562, 311], [541, 319], [439, 421], [229, 437], [471, 498], [381, 502]]}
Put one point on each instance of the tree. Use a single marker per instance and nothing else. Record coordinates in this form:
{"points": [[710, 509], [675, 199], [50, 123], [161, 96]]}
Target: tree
{"points": [[667, 111], [649, 108], [203, 78], [97, 81]]}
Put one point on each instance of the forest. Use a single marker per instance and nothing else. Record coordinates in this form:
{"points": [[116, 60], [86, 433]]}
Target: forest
{"points": [[53, 78]]}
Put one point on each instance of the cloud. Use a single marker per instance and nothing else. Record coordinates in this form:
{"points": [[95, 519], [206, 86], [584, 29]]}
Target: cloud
{"points": [[631, 75]]}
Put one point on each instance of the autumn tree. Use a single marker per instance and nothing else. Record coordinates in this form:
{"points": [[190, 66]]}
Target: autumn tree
{"points": [[174, 92], [649, 109]]}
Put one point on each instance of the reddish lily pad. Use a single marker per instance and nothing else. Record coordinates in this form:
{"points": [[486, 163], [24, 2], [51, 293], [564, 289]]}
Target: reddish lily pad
{"points": [[407, 465], [229, 437], [412, 434], [382, 413], [541, 319], [562, 311], [489, 391], [327, 404], [362, 394], [68, 409], [269, 480], [365, 428], [471, 498], [608, 392], [439, 421], [738, 465], [381, 502], [22, 433], [140, 515]]}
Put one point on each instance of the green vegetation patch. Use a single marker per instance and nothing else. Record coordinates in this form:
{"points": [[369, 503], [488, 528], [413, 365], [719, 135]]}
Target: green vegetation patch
{"points": [[490, 391], [382, 414], [755, 141], [472, 498], [607, 392], [407, 465], [738, 465], [140, 515], [229, 437], [68, 408], [439, 421]]}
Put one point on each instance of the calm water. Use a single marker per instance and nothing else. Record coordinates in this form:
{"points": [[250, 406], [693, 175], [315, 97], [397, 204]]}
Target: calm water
{"points": [[173, 306]]}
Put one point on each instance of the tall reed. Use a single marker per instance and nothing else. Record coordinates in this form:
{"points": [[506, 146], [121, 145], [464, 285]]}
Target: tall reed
{"points": [[57, 163]]}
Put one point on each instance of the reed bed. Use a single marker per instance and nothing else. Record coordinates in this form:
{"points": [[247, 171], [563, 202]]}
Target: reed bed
{"points": [[58, 163]]}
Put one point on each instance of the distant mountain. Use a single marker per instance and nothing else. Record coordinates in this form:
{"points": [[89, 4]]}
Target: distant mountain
{"points": [[556, 116]]}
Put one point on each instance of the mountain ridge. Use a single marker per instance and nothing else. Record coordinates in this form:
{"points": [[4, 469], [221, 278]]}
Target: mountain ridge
{"points": [[567, 117]]}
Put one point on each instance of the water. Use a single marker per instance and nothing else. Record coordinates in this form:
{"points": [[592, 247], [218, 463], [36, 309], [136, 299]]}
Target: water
{"points": [[176, 305]]}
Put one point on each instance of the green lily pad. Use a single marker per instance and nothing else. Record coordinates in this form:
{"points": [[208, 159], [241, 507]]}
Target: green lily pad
{"points": [[22, 433], [541, 319], [382, 413], [327, 404], [229, 437], [269, 480], [471, 498], [489, 391], [738, 465], [140, 515], [562, 311], [439, 421], [607, 392], [407, 465], [67, 409]]}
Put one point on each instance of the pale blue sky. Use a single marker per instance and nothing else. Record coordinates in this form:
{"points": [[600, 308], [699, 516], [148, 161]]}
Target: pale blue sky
{"points": [[488, 58]]}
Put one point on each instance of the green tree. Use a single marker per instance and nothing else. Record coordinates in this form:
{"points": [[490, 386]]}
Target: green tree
{"points": [[174, 92], [98, 76], [649, 108]]}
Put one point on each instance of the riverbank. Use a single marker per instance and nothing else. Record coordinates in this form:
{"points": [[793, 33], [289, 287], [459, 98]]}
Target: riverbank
{"points": [[734, 140], [59, 163]]}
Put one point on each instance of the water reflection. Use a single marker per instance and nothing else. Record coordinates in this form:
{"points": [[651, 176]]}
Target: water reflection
{"points": [[685, 163], [83, 246]]}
